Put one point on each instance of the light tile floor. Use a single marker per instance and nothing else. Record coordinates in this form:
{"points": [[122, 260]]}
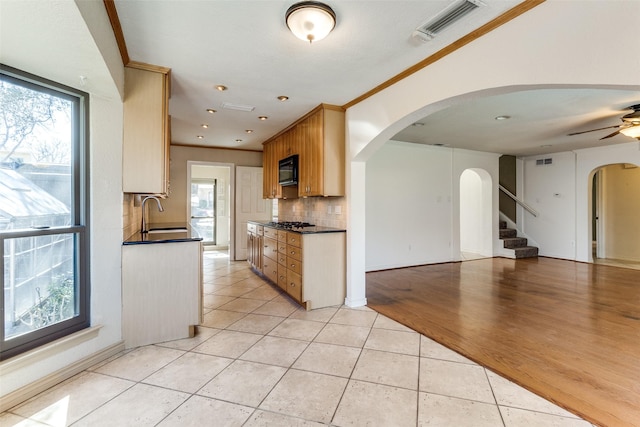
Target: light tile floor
{"points": [[261, 360]]}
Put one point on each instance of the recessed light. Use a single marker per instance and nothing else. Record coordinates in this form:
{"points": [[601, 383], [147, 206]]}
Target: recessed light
{"points": [[283, 98], [221, 88], [238, 140], [211, 111], [263, 118], [503, 117], [205, 126], [249, 130], [200, 136], [418, 124]]}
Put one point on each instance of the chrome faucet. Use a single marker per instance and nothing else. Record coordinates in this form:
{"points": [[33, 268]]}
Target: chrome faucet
{"points": [[143, 226]]}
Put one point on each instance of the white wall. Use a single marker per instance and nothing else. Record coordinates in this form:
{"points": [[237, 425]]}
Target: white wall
{"points": [[561, 193], [409, 209], [551, 191], [62, 49], [471, 215], [413, 203]]}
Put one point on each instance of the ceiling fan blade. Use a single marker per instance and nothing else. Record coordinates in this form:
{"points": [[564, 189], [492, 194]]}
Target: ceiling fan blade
{"points": [[610, 135], [593, 130]]}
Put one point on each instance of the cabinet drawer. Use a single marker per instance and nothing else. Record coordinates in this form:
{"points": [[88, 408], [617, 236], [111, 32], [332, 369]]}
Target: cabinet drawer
{"points": [[294, 285], [294, 265], [270, 232], [270, 248], [282, 276], [260, 229], [294, 252], [282, 236], [270, 269], [294, 239], [282, 248], [251, 228], [282, 259]]}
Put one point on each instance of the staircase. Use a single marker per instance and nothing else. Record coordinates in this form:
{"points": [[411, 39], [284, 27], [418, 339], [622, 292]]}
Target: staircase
{"points": [[510, 240]]}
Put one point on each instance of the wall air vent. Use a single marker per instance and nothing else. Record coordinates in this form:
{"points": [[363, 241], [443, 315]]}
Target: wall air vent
{"points": [[542, 162], [445, 18]]}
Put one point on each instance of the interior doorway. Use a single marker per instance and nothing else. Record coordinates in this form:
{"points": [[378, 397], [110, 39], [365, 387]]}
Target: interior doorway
{"points": [[209, 209], [615, 225], [203, 209], [476, 240]]}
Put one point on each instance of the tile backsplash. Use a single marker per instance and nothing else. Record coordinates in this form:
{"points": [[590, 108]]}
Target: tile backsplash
{"points": [[131, 216], [324, 211]]}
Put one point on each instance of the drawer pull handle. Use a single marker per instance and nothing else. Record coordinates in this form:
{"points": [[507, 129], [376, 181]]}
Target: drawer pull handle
{"points": [[293, 285], [293, 252]]}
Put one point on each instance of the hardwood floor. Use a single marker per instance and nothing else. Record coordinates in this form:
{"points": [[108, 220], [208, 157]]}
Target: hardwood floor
{"points": [[568, 331]]}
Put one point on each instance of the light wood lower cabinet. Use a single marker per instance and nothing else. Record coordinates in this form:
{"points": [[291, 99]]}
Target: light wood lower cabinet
{"points": [[161, 292], [254, 246], [311, 268]]}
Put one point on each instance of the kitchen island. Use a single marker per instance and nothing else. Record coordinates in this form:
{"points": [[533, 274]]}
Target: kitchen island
{"points": [[307, 262], [161, 284]]}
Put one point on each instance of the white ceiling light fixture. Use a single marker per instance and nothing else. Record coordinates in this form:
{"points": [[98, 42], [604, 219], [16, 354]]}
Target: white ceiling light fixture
{"points": [[310, 20]]}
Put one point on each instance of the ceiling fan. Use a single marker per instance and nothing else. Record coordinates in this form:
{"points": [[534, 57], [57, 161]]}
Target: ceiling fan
{"points": [[630, 125]]}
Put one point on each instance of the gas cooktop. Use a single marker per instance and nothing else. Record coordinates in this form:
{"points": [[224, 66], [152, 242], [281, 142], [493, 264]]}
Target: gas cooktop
{"points": [[289, 225]]}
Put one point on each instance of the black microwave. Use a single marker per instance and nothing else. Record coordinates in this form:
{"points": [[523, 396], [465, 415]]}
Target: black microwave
{"points": [[288, 171]]}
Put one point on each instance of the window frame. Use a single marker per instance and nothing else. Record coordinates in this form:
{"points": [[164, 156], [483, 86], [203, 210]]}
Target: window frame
{"points": [[79, 216]]}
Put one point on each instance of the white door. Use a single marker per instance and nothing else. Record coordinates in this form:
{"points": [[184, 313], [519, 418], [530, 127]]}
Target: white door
{"points": [[249, 205]]}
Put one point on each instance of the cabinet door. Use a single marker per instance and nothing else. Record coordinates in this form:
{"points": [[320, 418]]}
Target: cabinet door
{"points": [[269, 171], [250, 248], [294, 285], [146, 133], [257, 251], [270, 268], [311, 156], [270, 248]]}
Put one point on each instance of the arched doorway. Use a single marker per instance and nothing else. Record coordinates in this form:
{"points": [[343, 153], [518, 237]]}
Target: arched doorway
{"points": [[615, 223], [475, 214]]}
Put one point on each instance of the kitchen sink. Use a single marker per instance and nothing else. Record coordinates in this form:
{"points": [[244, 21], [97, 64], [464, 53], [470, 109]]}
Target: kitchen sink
{"points": [[169, 230]]}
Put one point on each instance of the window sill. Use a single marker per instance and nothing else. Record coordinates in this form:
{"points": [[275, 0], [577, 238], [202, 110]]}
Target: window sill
{"points": [[48, 350]]}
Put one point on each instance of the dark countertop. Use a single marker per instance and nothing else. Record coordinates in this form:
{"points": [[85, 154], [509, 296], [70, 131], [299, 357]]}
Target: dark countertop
{"points": [[316, 229], [170, 236]]}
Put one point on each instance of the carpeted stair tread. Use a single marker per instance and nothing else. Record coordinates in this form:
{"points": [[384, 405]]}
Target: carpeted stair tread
{"points": [[515, 242], [526, 252], [508, 233]]}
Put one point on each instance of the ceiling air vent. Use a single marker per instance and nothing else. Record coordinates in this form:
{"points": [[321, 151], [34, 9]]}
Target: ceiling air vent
{"points": [[445, 18]]}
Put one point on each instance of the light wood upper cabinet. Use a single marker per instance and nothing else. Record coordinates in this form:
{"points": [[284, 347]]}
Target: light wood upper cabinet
{"points": [[147, 129], [270, 156], [318, 139]]}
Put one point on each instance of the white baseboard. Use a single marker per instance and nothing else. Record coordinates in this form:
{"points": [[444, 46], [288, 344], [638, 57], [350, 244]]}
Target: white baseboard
{"points": [[355, 303], [18, 396]]}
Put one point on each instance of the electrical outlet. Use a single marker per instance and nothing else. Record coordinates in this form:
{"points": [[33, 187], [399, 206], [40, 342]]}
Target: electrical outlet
{"points": [[329, 210], [337, 209]]}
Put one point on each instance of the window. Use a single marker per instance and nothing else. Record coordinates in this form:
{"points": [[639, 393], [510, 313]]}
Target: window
{"points": [[43, 211]]}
